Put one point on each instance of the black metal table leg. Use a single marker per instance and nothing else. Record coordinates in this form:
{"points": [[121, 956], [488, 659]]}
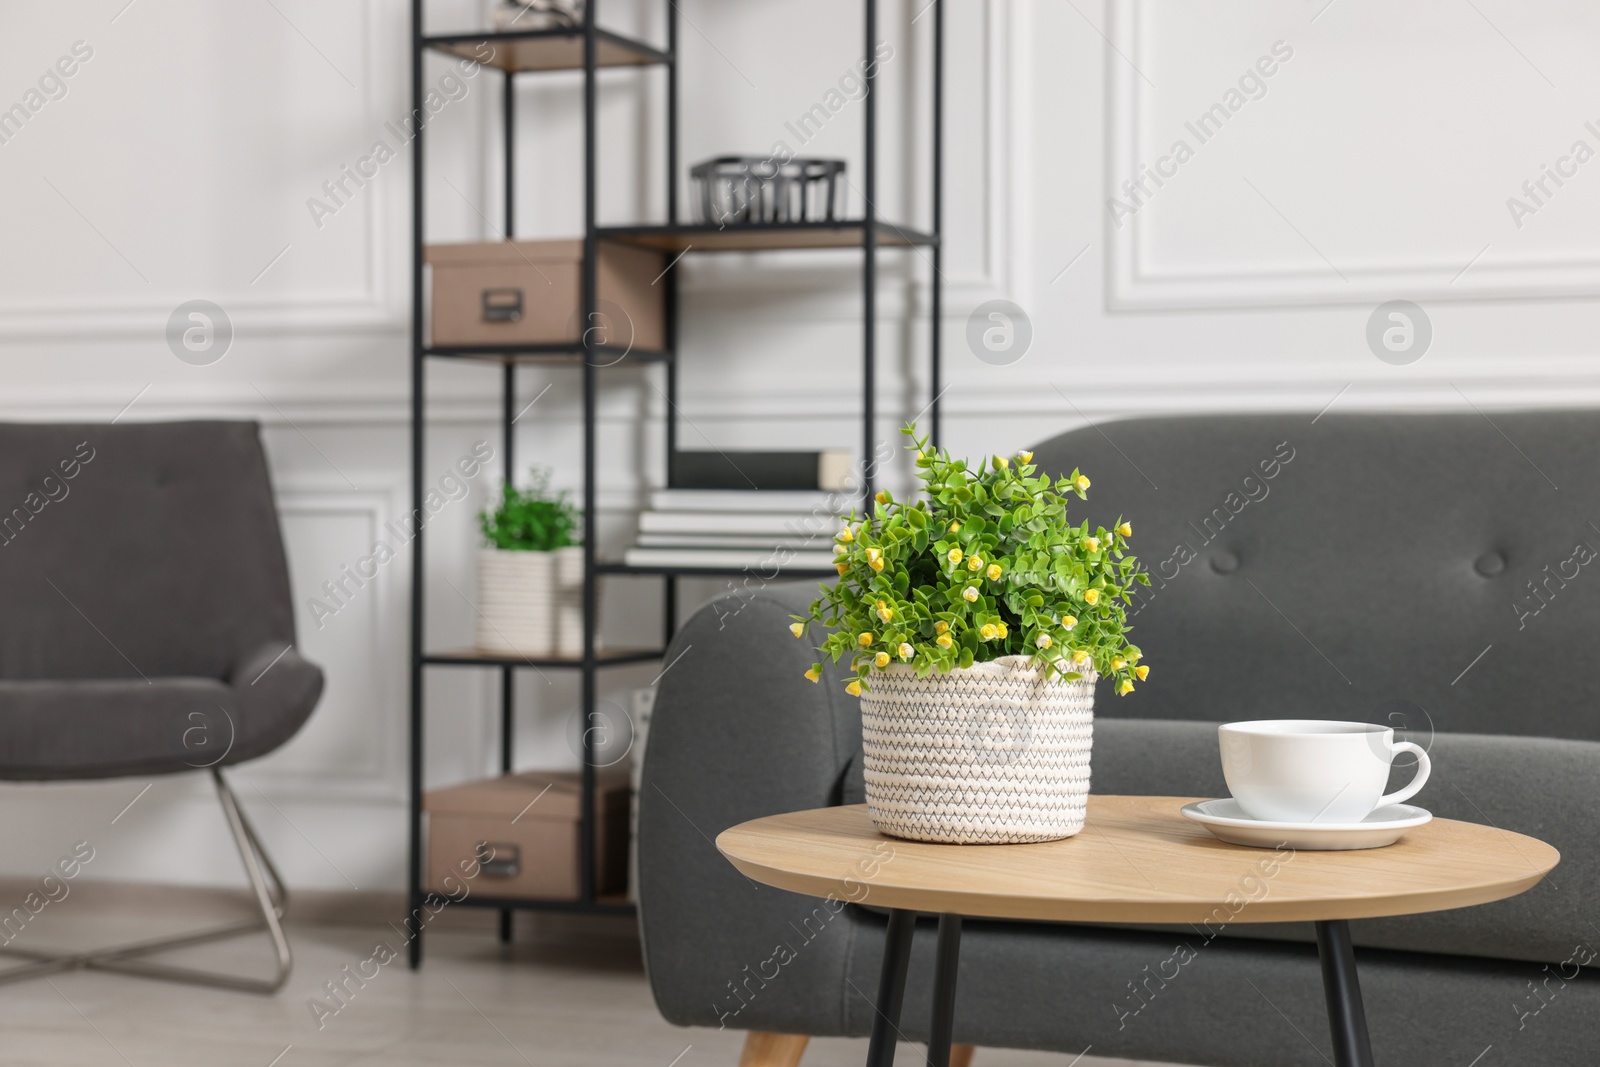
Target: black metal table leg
{"points": [[891, 988], [944, 991], [1346, 1017]]}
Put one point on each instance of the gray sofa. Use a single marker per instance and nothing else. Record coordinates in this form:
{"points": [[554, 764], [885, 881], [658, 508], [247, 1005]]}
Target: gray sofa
{"points": [[1423, 571]]}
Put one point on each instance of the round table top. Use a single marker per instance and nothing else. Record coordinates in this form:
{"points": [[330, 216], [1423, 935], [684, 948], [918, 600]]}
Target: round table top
{"points": [[1136, 860]]}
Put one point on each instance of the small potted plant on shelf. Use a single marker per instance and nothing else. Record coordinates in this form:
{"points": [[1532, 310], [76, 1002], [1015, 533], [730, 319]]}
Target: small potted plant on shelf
{"points": [[530, 572], [976, 622]]}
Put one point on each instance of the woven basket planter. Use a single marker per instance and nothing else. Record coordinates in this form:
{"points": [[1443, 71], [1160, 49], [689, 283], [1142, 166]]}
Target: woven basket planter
{"points": [[516, 602], [991, 754]]}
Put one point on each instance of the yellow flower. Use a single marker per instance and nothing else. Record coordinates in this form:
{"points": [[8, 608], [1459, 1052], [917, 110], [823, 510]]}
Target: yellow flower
{"points": [[1043, 641], [1092, 544], [883, 496], [1001, 463], [940, 627], [874, 554], [797, 628], [881, 659], [974, 562], [905, 650], [920, 454], [1080, 657], [943, 641], [1125, 688], [1082, 483], [1142, 671], [1117, 663], [876, 565], [970, 594], [1026, 457], [993, 572], [885, 612], [841, 567], [1091, 597], [954, 555], [840, 550], [988, 632], [1002, 628], [1069, 622], [854, 688], [1126, 529], [814, 673], [866, 640], [955, 527], [847, 535]]}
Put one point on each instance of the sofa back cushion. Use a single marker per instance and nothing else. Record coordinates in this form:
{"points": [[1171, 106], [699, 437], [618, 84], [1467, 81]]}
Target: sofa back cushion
{"points": [[137, 549], [1436, 572]]}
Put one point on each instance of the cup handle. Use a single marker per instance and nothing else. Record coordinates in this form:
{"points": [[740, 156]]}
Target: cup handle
{"points": [[1424, 768]]}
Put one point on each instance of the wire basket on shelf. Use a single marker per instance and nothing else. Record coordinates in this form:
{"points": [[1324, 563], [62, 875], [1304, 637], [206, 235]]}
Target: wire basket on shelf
{"points": [[741, 190]]}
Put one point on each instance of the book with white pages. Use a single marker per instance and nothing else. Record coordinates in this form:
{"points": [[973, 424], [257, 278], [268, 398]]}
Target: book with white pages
{"points": [[803, 501], [784, 524], [705, 540], [726, 558]]}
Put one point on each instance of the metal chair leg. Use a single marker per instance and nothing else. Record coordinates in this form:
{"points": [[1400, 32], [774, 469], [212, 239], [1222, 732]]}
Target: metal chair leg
{"points": [[271, 898]]}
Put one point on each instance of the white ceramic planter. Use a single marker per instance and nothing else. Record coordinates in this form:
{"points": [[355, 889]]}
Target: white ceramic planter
{"points": [[992, 754], [569, 601], [516, 602]]}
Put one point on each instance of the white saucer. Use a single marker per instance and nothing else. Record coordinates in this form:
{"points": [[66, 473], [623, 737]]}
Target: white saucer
{"points": [[1228, 821]]}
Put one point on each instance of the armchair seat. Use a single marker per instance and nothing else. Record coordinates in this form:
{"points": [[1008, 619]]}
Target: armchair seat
{"points": [[116, 727]]}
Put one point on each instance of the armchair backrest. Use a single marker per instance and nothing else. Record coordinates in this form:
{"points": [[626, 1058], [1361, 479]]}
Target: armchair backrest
{"points": [[136, 549]]}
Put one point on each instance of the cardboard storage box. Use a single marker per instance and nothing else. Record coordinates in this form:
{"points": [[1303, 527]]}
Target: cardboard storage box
{"points": [[527, 293], [531, 851]]}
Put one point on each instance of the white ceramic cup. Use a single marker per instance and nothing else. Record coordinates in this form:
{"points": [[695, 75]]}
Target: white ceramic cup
{"points": [[1311, 771]]}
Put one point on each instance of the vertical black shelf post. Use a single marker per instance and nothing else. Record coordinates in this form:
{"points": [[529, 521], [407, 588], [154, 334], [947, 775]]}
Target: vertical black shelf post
{"points": [[591, 530], [669, 583], [936, 283], [418, 369], [508, 400], [869, 266]]}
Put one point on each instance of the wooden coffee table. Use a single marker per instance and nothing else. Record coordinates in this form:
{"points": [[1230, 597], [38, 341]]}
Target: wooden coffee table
{"points": [[1136, 861]]}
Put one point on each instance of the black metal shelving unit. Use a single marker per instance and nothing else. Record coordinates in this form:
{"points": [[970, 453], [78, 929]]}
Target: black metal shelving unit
{"points": [[589, 49]]}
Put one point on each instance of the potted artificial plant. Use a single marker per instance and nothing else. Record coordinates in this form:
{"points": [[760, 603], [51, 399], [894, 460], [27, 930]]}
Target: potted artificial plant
{"points": [[529, 572], [976, 622]]}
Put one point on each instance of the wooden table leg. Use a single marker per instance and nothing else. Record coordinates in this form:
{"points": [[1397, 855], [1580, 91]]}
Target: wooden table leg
{"points": [[891, 988], [763, 1048], [944, 991], [1346, 1016]]}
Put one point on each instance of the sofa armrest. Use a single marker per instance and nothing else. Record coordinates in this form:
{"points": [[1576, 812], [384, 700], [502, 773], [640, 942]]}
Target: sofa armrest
{"points": [[736, 733], [274, 692]]}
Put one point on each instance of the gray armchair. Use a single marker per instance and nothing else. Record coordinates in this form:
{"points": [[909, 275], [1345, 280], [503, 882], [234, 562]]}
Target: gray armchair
{"points": [[1417, 570], [148, 630]]}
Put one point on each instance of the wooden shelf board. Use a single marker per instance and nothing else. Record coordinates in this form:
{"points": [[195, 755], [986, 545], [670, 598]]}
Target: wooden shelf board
{"points": [[759, 237], [550, 354], [545, 50], [473, 657]]}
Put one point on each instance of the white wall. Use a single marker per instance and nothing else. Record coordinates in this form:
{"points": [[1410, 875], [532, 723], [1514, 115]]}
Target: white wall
{"points": [[179, 164]]}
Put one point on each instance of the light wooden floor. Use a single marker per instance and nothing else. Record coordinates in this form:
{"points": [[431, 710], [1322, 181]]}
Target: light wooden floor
{"points": [[561, 997]]}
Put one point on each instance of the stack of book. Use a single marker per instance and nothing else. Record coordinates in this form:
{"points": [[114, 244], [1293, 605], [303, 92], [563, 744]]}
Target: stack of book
{"points": [[746, 510]]}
